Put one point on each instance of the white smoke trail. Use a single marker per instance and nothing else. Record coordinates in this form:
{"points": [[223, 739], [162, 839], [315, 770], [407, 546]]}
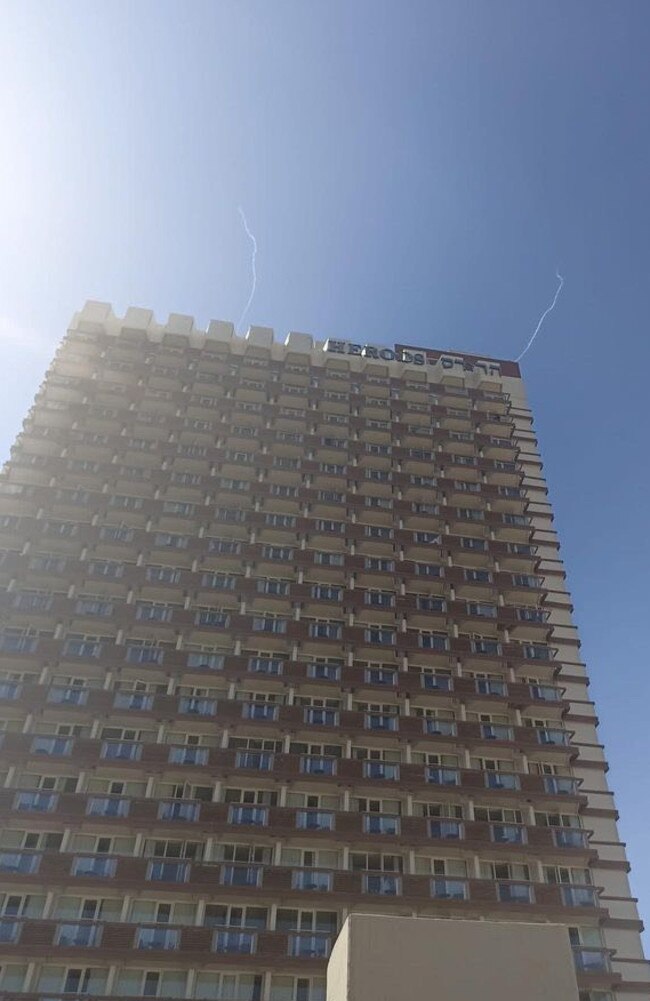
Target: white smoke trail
{"points": [[544, 315], [253, 269]]}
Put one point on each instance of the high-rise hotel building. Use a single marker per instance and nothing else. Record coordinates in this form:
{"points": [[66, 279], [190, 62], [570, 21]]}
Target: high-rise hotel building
{"points": [[285, 636]]}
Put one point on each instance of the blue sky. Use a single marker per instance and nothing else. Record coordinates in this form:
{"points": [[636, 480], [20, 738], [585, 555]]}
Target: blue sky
{"points": [[413, 172]]}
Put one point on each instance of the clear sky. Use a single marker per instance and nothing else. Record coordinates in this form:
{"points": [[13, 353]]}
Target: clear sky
{"points": [[412, 171]]}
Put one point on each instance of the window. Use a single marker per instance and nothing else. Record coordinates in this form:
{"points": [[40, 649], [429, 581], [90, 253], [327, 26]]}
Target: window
{"points": [[51, 746], [82, 646], [317, 765], [311, 879], [377, 823], [96, 607], [277, 553], [329, 559], [435, 727], [162, 575], [537, 651], [218, 581], [237, 942], [315, 820], [545, 693], [428, 570], [570, 837], [326, 630], [381, 721], [380, 635], [78, 935], [433, 641], [197, 706], [168, 872], [485, 646], [259, 711], [265, 665], [560, 785], [579, 896], [478, 576], [382, 884], [93, 865], [269, 624], [378, 564], [446, 829], [324, 671], [224, 547], [482, 609], [490, 686], [449, 889], [511, 834], [121, 750], [178, 810], [241, 875], [496, 731], [310, 946], [157, 938], [201, 659], [280, 520], [381, 770], [22, 862], [318, 716], [35, 802], [443, 776], [545, 735], [274, 587], [261, 761], [436, 681], [515, 893], [212, 617], [380, 676], [133, 700], [257, 816], [107, 806], [188, 755], [501, 780], [144, 654], [326, 592]]}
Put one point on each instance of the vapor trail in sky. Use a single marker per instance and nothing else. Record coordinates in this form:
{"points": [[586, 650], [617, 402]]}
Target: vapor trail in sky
{"points": [[544, 315], [253, 268]]}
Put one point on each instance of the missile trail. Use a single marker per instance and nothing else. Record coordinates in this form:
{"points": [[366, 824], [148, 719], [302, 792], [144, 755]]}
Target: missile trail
{"points": [[544, 315], [253, 267]]}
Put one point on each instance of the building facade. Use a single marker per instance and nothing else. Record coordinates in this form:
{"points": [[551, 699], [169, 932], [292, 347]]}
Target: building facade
{"points": [[285, 636]]}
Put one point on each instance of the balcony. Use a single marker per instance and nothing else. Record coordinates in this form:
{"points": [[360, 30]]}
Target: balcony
{"points": [[157, 938], [449, 889], [515, 893], [19, 862], [315, 820], [377, 823], [439, 727], [238, 943], [310, 946], [446, 830], [241, 875], [443, 776], [592, 960], [579, 896], [317, 765], [502, 780], [508, 834], [80, 935], [316, 880], [382, 884], [570, 837]]}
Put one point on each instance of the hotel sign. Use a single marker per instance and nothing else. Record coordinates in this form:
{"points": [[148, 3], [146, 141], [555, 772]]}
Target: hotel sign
{"points": [[424, 356]]}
